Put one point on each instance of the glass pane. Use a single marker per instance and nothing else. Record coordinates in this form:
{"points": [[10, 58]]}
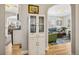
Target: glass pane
{"points": [[41, 24], [33, 28], [41, 20], [33, 20], [41, 28], [33, 24]]}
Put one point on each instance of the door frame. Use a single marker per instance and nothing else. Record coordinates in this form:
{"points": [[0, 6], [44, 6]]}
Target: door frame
{"points": [[73, 37]]}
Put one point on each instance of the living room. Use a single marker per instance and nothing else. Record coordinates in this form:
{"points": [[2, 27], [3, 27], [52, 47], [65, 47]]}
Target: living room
{"points": [[59, 25], [22, 34]]}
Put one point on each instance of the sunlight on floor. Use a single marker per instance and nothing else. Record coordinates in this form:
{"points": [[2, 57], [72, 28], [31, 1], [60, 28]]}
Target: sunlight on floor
{"points": [[59, 49]]}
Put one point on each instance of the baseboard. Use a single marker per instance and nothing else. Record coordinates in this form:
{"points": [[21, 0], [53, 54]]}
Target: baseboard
{"points": [[25, 52]]}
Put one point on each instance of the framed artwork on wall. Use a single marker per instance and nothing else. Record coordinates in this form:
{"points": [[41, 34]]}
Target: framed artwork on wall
{"points": [[33, 9]]}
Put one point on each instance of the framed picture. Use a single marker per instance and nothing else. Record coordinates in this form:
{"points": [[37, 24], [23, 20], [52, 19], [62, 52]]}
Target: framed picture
{"points": [[33, 9]]}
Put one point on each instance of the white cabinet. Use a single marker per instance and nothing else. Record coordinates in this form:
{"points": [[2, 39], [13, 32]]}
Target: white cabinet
{"points": [[36, 37]]}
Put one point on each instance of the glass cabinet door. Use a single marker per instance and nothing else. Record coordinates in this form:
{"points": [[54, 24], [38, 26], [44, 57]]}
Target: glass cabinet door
{"points": [[32, 24], [41, 24]]}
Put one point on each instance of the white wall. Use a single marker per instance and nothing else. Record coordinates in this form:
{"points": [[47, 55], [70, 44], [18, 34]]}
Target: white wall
{"points": [[52, 21], [2, 31], [73, 36], [23, 32], [77, 30]]}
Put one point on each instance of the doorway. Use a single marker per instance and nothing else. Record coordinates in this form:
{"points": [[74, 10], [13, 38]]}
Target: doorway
{"points": [[12, 24], [59, 30]]}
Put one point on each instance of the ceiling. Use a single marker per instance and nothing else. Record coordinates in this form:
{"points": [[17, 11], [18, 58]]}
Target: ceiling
{"points": [[59, 10]]}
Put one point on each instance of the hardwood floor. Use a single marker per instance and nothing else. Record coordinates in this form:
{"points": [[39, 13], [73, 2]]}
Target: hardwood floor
{"points": [[13, 50], [59, 49], [8, 49], [16, 49]]}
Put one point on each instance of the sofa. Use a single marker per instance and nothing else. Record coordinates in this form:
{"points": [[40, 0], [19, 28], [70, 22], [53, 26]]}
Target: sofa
{"points": [[52, 38]]}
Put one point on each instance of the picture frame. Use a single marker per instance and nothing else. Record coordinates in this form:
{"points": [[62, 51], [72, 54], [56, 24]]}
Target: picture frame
{"points": [[33, 9]]}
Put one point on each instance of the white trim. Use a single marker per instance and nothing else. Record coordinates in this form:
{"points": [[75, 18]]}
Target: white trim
{"points": [[24, 52]]}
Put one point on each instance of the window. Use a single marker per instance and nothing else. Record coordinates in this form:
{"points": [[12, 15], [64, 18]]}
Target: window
{"points": [[41, 24], [32, 24]]}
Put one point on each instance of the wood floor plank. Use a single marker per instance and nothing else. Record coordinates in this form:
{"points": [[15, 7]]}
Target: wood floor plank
{"points": [[59, 49]]}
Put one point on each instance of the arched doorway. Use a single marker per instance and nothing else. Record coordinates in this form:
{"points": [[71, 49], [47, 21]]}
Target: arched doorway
{"points": [[59, 29]]}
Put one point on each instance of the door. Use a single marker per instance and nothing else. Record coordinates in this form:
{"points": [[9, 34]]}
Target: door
{"points": [[41, 35], [36, 41], [32, 49]]}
